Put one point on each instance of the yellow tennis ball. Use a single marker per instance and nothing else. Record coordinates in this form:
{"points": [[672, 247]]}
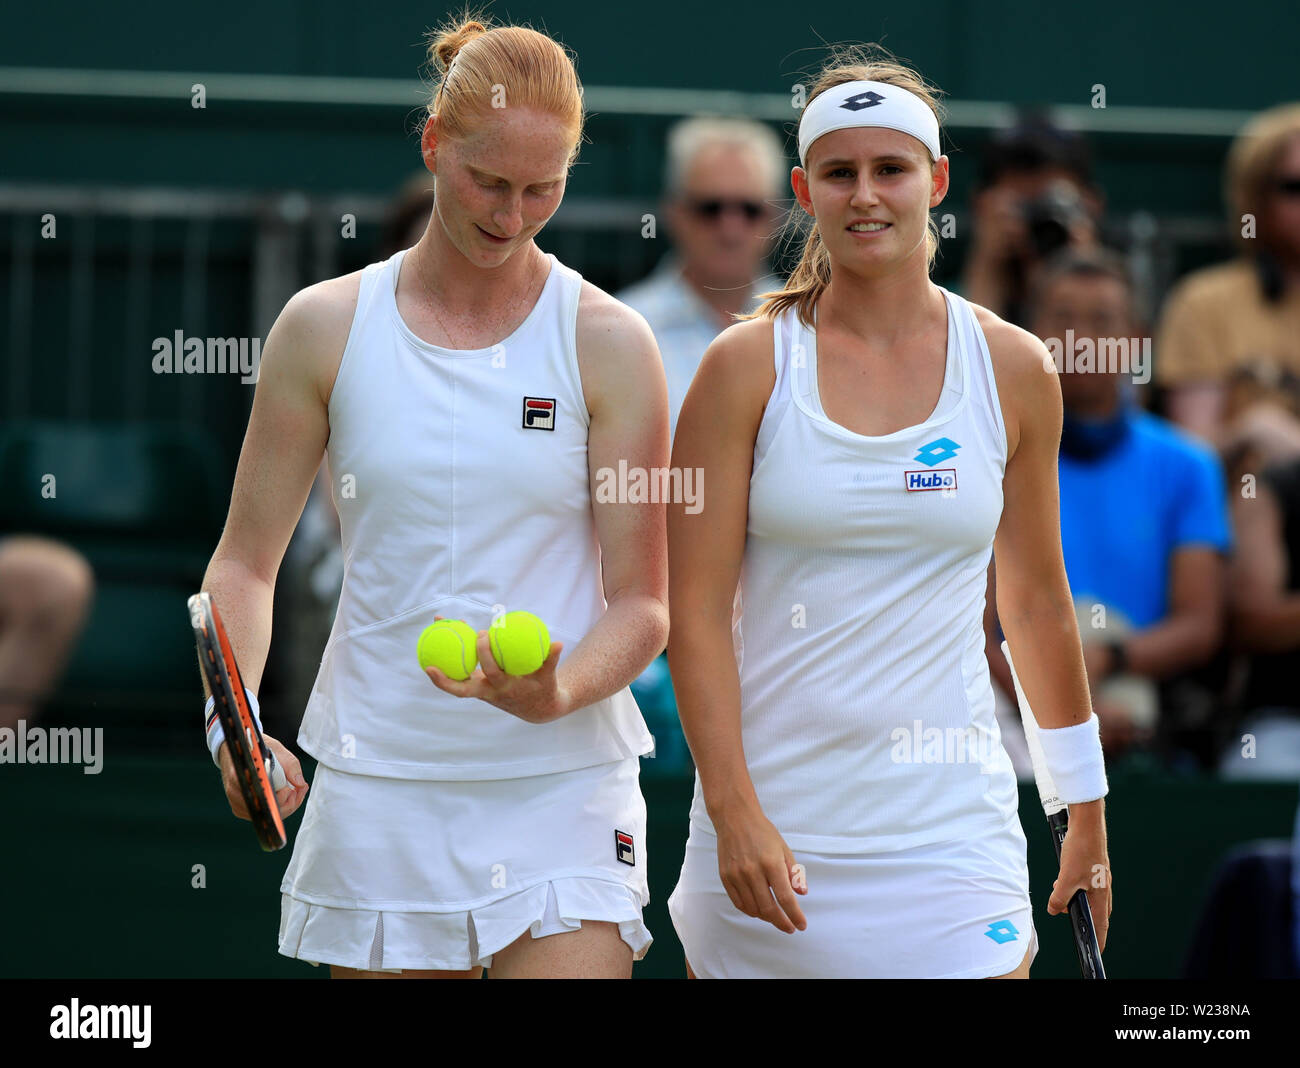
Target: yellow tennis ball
{"points": [[520, 643], [450, 646]]}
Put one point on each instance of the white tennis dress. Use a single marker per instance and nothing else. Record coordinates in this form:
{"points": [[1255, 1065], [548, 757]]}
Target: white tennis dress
{"points": [[439, 829], [866, 705]]}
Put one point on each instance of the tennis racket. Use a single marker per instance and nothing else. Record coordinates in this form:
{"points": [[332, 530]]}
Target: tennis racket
{"points": [[1058, 819], [255, 766]]}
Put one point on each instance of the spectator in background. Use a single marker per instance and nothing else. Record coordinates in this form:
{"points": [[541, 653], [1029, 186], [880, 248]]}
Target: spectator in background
{"points": [[722, 181], [45, 593], [1295, 890], [1265, 615], [1035, 197], [408, 215], [1228, 344], [1144, 516]]}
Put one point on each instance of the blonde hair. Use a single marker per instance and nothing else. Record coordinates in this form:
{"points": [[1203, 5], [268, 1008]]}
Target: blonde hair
{"points": [[478, 63], [847, 63], [1252, 159]]}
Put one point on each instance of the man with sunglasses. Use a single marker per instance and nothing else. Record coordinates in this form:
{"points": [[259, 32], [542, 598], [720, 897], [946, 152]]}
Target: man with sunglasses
{"points": [[722, 181]]}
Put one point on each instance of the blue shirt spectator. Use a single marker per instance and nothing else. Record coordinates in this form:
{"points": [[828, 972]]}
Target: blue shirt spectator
{"points": [[1143, 506], [1164, 490]]}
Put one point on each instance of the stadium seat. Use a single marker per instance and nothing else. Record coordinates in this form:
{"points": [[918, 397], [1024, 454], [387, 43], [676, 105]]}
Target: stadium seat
{"points": [[1245, 929], [144, 504]]}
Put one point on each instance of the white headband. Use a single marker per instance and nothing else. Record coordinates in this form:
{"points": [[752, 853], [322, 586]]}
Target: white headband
{"points": [[865, 103]]}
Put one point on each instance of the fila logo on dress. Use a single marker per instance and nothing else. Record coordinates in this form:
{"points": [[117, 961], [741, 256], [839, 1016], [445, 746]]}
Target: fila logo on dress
{"points": [[539, 413], [941, 478]]}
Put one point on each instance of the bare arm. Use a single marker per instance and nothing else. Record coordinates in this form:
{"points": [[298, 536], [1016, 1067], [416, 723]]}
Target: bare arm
{"points": [[1192, 630], [286, 437], [715, 436], [1033, 593], [1265, 615], [1190, 355], [627, 397], [716, 429], [1198, 408], [282, 450], [1034, 602]]}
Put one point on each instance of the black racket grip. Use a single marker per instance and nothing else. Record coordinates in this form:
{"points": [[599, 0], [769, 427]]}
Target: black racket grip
{"points": [[1085, 935]]}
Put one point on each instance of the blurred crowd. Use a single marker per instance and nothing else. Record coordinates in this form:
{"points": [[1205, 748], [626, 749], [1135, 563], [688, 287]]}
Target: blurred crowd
{"points": [[1180, 450], [1179, 464]]}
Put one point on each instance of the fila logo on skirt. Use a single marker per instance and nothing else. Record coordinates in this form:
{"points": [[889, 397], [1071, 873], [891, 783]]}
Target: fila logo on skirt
{"points": [[623, 848]]}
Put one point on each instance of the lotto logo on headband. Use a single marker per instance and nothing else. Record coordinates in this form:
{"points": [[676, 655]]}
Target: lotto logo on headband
{"points": [[868, 103], [858, 101]]}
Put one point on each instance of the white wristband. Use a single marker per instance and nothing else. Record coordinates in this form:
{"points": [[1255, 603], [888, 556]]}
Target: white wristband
{"points": [[1074, 760], [216, 733]]}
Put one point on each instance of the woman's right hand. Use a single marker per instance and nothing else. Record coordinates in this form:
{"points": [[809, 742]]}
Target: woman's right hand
{"points": [[759, 871], [287, 798]]}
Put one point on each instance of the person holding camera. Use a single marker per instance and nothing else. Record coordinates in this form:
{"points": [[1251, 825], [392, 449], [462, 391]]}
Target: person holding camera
{"points": [[1035, 197]]}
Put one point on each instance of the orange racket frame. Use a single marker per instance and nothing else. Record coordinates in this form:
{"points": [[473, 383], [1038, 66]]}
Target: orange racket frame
{"points": [[247, 747]]}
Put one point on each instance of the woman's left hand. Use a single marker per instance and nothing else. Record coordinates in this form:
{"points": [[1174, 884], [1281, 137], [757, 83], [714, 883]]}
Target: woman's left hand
{"points": [[1085, 866], [535, 698]]}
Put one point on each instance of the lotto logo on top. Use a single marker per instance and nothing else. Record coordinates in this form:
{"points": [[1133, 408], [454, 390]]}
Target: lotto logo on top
{"points": [[936, 451]]}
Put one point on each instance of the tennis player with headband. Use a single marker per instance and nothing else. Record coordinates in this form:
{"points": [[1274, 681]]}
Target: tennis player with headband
{"points": [[466, 392], [870, 440]]}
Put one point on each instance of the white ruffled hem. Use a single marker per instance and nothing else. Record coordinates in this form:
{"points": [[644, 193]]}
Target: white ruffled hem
{"points": [[376, 940]]}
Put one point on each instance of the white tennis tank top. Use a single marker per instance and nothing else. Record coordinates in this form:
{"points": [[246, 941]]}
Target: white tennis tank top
{"points": [[461, 482], [866, 705]]}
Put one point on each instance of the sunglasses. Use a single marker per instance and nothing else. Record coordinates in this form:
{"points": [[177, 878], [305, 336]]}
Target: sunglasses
{"points": [[712, 208], [1289, 187]]}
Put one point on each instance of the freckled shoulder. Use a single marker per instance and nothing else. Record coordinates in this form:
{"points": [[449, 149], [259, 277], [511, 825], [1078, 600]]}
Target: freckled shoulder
{"points": [[1023, 368], [616, 347], [313, 330]]}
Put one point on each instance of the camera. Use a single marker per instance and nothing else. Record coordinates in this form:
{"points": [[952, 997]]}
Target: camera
{"points": [[1051, 215]]}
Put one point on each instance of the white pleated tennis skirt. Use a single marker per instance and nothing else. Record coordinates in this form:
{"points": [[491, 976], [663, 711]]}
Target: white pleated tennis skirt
{"points": [[394, 874], [955, 910]]}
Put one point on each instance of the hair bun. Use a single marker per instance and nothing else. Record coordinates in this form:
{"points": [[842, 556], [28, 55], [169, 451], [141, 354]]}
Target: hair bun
{"points": [[450, 42]]}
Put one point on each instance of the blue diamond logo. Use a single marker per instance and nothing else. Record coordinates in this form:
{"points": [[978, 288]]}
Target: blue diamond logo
{"points": [[936, 451], [1002, 931]]}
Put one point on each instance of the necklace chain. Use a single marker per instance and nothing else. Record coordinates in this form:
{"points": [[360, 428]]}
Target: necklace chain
{"points": [[424, 278]]}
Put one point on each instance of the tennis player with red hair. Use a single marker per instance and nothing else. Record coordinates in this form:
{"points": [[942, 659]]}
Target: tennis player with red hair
{"points": [[466, 392]]}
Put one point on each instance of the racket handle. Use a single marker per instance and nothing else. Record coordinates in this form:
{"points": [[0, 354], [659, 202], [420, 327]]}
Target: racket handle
{"points": [[1085, 934], [279, 780]]}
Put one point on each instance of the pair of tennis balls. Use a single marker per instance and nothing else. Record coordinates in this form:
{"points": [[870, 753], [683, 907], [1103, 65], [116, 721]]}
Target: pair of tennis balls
{"points": [[520, 644]]}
